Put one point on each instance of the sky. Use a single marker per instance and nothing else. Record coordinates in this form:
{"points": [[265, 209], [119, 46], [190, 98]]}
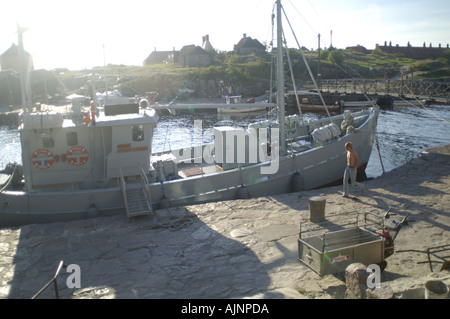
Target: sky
{"points": [[80, 34]]}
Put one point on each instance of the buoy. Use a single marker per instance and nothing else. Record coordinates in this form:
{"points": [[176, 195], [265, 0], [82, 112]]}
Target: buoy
{"points": [[243, 193], [297, 183], [92, 211], [42, 159], [143, 103], [77, 155], [164, 202]]}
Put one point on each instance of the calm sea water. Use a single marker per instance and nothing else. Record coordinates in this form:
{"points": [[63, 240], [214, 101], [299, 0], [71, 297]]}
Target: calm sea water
{"points": [[402, 133]]}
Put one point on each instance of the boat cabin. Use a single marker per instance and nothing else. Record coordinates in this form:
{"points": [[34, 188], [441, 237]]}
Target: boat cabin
{"points": [[61, 153]]}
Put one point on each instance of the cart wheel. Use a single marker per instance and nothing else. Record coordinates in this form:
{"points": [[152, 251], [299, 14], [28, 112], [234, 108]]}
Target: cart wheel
{"points": [[382, 265]]}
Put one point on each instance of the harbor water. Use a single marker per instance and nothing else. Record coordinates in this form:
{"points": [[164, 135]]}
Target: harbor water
{"points": [[402, 133]]}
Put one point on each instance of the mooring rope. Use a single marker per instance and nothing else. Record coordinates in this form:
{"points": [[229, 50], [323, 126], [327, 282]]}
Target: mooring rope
{"points": [[406, 135], [424, 107], [9, 179]]}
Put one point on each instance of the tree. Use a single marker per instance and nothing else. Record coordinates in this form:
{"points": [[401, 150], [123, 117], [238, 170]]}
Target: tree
{"points": [[336, 57]]}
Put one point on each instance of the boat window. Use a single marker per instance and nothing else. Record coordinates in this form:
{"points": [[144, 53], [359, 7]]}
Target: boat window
{"points": [[138, 133], [72, 138], [48, 141]]}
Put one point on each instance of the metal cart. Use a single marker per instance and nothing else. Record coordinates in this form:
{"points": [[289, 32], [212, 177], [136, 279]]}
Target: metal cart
{"points": [[330, 246]]}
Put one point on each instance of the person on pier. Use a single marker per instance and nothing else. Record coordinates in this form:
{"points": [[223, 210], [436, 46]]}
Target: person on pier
{"points": [[351, 170]]}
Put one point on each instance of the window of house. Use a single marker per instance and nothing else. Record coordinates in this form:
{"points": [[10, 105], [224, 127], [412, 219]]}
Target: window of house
{"points": [[138, 133], [72, 138]]}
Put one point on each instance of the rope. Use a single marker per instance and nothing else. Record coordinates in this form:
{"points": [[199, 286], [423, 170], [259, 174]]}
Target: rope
{"points": [[379, 153], [9, 180], [424, 107]]}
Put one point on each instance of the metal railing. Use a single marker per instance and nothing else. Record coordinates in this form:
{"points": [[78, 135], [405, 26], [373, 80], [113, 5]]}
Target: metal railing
{"points": [[123, 188], [52, 281], [145, 185], [436, 89]]}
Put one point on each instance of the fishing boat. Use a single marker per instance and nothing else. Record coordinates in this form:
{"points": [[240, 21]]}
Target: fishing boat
{"points": [[102, 162]]}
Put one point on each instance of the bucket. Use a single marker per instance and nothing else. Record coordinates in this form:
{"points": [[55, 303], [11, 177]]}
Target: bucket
{"points": [[436, 289]]}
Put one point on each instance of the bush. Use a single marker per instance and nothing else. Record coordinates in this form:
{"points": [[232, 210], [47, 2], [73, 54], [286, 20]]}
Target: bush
{"points": [[336, 57]]}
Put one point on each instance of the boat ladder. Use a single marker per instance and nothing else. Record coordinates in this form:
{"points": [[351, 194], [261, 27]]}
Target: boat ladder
{"points": [[137, 199]]}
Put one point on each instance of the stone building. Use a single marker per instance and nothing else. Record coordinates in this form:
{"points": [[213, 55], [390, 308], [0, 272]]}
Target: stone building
{"points": [[158, 57], [418, 53], [9, 60], [193, 56], [248, 46]]}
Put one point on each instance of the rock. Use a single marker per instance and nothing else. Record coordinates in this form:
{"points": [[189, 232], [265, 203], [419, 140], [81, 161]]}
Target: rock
{"points": [[383, 292], [356, 281]]}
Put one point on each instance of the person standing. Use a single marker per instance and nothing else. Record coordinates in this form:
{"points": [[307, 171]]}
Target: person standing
{"points": [[351, 169]]}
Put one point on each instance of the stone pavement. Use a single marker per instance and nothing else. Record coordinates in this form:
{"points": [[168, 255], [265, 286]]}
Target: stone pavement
{"points": [[230, 249]]}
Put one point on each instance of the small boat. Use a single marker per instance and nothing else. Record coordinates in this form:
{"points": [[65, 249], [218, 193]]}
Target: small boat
{"points": [[103, 163], [234, 105], [319, 108]]}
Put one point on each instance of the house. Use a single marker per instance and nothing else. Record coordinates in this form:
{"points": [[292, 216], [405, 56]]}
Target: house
{"points": [[158, 57], [9, 60], [358, 49], [193, 56], [249, 46], [418, 53]]}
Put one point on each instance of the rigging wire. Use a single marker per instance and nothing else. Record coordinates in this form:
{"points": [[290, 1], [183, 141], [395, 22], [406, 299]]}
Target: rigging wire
{"points": [[293, 79], [306, 21], [309, 69], [424, 107]]}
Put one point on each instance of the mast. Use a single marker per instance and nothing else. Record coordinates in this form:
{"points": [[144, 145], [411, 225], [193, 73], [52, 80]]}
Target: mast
{"points": [[24, 85], [280, 80]]}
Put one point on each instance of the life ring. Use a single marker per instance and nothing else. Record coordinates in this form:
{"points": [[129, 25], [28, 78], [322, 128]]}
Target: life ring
{"points": [[42, 158], [77, 155]]}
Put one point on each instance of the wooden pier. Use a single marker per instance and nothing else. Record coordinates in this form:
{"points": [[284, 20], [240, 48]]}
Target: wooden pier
{"points": [[436, 90]]}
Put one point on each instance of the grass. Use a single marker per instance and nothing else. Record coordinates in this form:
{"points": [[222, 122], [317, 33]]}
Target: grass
{"points": [[167, 78]]}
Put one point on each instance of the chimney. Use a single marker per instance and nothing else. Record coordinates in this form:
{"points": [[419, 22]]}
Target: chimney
{"points": [[245, 35]]}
